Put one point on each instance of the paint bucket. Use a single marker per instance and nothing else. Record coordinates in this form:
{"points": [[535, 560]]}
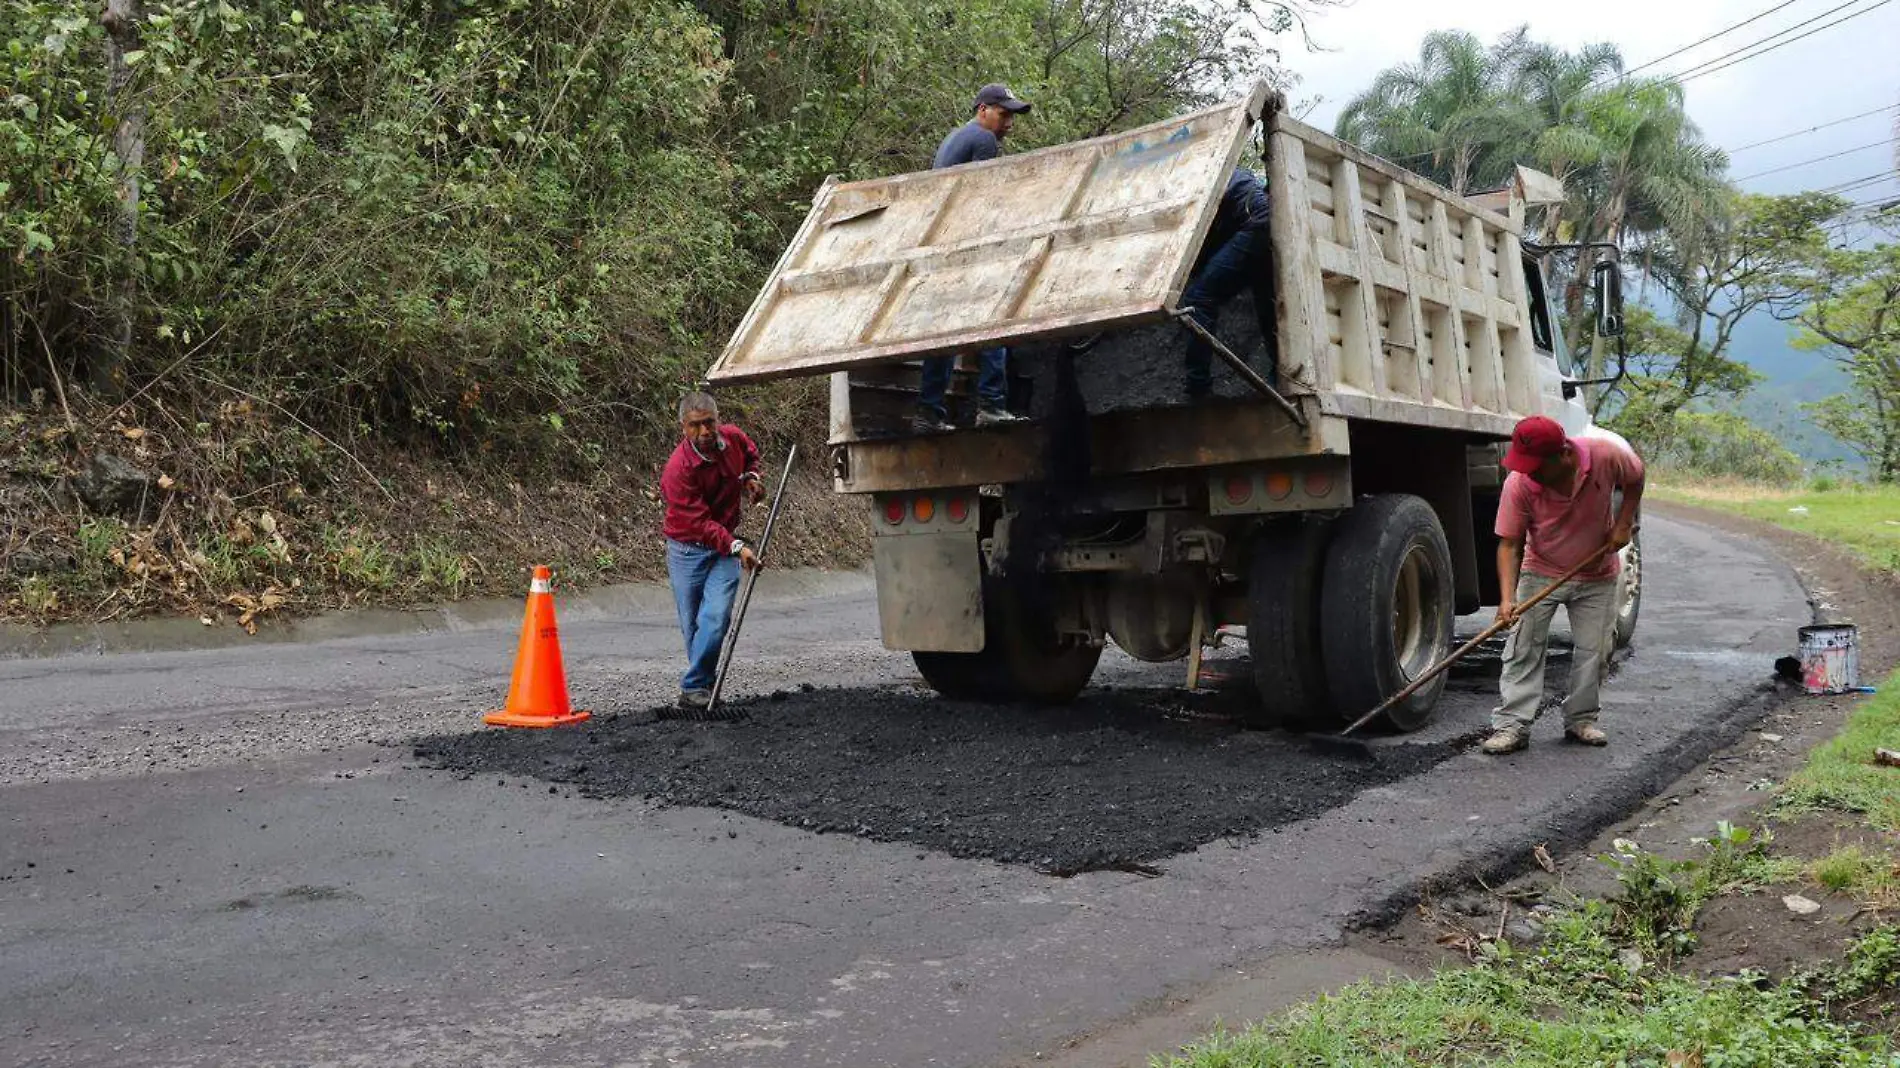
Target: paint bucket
{"points": [[1830, 659]]}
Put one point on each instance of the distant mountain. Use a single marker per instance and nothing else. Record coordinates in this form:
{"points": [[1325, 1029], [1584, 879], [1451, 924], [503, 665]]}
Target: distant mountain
{"points": [[1790, 378]]}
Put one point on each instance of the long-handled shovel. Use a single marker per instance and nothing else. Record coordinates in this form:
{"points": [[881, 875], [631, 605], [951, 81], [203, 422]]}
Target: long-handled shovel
{"points": [[745, 594], [1344, 744]]}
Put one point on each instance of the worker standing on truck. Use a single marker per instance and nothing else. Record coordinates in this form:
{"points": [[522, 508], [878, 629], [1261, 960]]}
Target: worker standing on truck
{"points": [[981, 138], [715, 466], [1233, 258], [1557, 510]]}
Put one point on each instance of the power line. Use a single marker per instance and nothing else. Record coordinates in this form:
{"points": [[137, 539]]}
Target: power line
{"points": [[1694, 72], [1856, 184], [1696, 44], [1783, 32], [1811, 129], [1752, 44], [1832, 155]]}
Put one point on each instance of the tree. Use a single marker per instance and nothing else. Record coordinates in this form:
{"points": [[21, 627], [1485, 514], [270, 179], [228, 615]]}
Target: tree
{"points": [[1451, 115], [1754, 256], [125, 106], [1634, 166], [1852, 317]]}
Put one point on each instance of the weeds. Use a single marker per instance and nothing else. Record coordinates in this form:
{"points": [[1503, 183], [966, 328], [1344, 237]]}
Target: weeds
{"points": [[1574, 1000], [1872, 964], [1658, 898], [1841, 775]]}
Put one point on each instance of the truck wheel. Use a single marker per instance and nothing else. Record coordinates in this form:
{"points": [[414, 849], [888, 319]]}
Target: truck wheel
{"points": [[1023, 659], [961, 676], [1386, 607], [1283, 620], [1629, 593]]}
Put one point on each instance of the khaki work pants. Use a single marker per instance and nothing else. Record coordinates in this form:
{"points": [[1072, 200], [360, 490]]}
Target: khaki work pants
{"points": [[1591, 607]]}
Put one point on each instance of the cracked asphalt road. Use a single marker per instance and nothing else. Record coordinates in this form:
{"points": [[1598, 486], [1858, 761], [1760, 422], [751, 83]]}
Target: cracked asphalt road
{"points": [[232, 857]]}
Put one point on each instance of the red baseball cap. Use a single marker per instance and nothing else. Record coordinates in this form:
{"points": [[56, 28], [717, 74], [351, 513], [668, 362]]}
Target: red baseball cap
{"points": [[1535, 440]]}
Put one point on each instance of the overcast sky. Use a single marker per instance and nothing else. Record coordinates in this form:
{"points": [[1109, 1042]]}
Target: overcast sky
{"points": [[1835, 73]]}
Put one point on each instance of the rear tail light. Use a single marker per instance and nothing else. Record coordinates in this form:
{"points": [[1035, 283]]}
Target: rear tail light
{"points": [[958, 510], [1279, 485], [1239, 488], [924, 509], [894, 511], [1318, 484]]}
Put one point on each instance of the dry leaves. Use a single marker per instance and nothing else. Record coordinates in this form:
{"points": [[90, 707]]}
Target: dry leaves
{"points": [[1542, 856], [251, 607]]}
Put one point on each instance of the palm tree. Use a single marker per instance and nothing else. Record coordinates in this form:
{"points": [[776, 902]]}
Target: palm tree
{"points": [[1445, 115], [1637, 171], [1654, 180]]}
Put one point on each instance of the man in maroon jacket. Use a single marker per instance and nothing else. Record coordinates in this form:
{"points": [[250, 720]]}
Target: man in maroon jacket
{"points": [[712, 470]]}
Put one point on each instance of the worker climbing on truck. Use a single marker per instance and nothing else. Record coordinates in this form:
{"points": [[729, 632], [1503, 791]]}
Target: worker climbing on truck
{"points": [[979, 139], [1233, 258], [1556, 513]]}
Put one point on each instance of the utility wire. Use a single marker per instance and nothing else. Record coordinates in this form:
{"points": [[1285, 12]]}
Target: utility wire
{"points": [[1698, 72], [1811, 129], [1856, 184], [1783, 32], [1752, 44], [1832, 155], [1696, 44]]}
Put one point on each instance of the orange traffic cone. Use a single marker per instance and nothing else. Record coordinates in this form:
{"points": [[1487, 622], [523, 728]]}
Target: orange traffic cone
{"points": [[538, 695]]}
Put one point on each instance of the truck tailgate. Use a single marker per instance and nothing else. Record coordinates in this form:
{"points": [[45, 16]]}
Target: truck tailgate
{"points": [[1069, 239]]}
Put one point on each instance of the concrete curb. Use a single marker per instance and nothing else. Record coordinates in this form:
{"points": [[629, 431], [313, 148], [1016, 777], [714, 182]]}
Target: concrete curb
{"points": [[19, 642]]}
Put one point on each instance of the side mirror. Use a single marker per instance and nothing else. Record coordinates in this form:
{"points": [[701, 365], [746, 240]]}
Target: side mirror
{"points": [[1607, 280]]}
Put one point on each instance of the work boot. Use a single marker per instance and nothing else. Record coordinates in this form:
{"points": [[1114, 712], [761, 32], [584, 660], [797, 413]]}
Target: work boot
{"points": [[1586, 734], [1506, 740], [997, 417], [928, 422], [695, 700]]}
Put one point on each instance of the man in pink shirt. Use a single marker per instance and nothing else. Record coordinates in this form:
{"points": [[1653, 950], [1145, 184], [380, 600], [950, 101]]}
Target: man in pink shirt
{"points": [[1559, 507]]}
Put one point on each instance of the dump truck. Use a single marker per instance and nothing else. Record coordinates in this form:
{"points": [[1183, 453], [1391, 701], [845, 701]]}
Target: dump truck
{"points": [[1333, 498]]}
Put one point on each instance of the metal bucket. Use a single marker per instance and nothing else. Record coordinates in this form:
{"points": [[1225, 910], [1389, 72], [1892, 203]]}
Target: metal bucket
{"points": [[1830, 658]]}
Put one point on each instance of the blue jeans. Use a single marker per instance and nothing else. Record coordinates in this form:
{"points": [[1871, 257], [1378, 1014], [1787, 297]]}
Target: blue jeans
{"points": [[1233, 267], [704, 584], [992, 381]]}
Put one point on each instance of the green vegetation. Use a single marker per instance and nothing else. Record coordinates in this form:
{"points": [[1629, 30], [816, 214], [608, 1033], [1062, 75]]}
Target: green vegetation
{"points": [[1842, 775], [515, 222], [1851, 315], [1861, 518], [1679, 444], [311, 258], [1595, 990]]}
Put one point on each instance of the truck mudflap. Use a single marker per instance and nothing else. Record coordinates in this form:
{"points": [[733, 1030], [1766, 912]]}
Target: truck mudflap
{"points": [[930, 592], [927, 554]]}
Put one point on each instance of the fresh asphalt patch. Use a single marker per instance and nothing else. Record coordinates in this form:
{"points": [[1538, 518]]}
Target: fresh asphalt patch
{"points": [[1117, 780]]}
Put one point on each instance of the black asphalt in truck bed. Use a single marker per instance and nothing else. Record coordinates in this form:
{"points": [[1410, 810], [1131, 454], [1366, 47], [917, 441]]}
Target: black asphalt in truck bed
{"points": [[1118, 779]]}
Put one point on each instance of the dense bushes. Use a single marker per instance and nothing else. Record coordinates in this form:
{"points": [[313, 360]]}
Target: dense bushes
{"points": [[490, 222]]}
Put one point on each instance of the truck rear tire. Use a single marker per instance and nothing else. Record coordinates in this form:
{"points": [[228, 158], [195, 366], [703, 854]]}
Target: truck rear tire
{"points": [[1023, 658], [961, 676], [1283, 625], [1386, 610]]}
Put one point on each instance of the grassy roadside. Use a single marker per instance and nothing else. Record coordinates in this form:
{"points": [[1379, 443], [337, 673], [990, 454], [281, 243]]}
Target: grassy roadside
{"points": [[1862, 519], [1615, 980]]}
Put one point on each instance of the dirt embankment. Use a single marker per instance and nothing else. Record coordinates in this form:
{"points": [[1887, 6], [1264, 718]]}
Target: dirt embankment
{"points": [[240, 513]]}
